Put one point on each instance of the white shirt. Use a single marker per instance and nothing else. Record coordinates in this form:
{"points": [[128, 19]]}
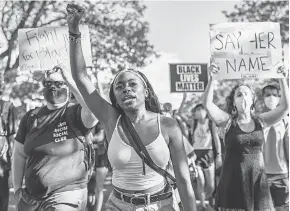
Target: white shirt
{"points": [[202, 136]]}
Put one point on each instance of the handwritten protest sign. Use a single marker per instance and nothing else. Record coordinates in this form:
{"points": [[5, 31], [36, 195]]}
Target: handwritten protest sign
{"points": [[246, 50], [188, 77], [43, 48]]}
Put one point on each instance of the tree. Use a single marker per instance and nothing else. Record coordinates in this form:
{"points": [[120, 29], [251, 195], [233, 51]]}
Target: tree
{"points": [[118, 35], [263, 11], [250, 11]]}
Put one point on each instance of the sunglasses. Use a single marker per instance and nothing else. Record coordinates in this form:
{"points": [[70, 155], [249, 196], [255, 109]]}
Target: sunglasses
{"points": [[57, 84]]}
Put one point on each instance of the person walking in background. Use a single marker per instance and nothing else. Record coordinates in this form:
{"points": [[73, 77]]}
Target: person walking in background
{"points": [[8, 125], [136, 185], [243, 184], [206, 144], [167, 110], [97, 181], [275, 154], [51, 151]]}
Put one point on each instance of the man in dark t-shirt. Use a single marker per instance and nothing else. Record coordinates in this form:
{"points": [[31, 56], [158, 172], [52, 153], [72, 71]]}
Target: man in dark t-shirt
{"points": [[51, 151]]}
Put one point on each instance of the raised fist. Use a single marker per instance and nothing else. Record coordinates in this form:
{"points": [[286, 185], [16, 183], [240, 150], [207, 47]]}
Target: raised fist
{"points": [[75, 14]]}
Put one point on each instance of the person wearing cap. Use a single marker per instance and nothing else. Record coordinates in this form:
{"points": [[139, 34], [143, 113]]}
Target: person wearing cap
{"points": [[51, 151], [136, 186]]}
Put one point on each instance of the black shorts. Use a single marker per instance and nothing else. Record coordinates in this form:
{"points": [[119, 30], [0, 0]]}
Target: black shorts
{"points": [[205, 157], [279, 188], [101, 155], [100, 161]]}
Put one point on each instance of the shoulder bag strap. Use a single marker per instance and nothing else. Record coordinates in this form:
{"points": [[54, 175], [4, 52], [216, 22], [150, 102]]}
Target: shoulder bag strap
{"points": [[141, 150]]}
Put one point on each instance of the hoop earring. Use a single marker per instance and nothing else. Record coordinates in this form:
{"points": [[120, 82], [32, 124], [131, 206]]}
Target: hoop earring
{"points": [[252, 109], [234, 111]]}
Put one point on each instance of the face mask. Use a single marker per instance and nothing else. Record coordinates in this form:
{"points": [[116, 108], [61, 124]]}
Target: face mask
{"points": [[271, 101], [55, 96], [243, 103]]}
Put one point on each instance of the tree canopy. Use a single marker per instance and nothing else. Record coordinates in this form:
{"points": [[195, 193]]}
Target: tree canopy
{"points": [[118, 35]]}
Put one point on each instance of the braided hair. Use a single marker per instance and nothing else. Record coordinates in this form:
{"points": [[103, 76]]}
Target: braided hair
{"points": [[151, 102]]}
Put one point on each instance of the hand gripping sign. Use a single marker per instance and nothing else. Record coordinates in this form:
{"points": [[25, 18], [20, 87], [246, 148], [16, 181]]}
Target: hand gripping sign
{"points": [[246, 50], [45, 47]]}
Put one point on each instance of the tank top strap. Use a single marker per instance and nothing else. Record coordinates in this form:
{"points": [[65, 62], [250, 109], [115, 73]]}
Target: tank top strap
{"points": [[117, 122], [159, 124]]}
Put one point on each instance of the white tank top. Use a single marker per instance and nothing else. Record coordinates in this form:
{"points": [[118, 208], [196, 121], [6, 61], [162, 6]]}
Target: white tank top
{"points": [[274, 156], [128, 167], [202, 136]]}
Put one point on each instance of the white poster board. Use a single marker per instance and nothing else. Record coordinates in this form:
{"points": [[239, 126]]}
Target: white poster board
{"points": [[43, 48], [246, 50]]}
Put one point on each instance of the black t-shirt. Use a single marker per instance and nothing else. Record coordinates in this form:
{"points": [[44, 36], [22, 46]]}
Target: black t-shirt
{"points": [[55, 155]]}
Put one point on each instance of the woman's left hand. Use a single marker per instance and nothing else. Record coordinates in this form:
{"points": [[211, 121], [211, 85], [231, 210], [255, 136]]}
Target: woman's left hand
{"points": [[281, 69]]}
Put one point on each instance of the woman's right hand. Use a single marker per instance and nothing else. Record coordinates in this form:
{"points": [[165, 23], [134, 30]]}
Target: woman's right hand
{"points": [[213, 69], [75, 14]]}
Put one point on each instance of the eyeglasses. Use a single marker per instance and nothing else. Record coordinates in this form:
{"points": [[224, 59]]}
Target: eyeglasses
{"points": [[57, 84]]}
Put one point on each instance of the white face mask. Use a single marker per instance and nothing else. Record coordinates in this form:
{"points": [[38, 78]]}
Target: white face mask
{"points": [[271, 102], [243, 103]]}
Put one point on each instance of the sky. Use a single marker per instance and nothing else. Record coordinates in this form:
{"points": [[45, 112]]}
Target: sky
{"points": [[179, 31]]}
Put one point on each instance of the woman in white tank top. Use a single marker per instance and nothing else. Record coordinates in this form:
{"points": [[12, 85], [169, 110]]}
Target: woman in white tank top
{"points": [[136, 185], [204, 135]]}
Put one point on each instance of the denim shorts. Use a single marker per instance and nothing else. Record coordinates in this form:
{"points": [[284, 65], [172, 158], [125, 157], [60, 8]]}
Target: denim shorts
{"points": [[115, 204], [75, 200]]}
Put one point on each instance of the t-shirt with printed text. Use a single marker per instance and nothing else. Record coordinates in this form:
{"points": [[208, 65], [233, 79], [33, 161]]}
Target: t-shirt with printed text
{"points": [[55, 160]]}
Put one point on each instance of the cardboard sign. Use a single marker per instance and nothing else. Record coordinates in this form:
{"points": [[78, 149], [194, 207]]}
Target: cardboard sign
{"points": [[43, 48], [246, 50], [188, 77]]}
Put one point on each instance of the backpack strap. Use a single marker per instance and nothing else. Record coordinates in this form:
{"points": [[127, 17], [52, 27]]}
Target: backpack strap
{"points": [[285, 124], [32, 116]]}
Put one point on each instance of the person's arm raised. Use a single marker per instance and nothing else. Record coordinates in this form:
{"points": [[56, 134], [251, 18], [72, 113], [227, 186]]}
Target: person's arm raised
{"points": [[273, 116], [99, 106], [88, 118], [219, 116]]}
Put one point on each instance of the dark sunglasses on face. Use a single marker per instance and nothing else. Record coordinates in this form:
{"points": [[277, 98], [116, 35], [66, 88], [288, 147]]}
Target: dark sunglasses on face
{"points": [[57, 84]]}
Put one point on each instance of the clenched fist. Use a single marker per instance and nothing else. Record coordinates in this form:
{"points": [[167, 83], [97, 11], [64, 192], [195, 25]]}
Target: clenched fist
{"points": [[75, 14]]}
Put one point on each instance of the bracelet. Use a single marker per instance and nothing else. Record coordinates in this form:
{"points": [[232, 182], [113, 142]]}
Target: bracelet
{"points": [[74, 39], [76, 35]]}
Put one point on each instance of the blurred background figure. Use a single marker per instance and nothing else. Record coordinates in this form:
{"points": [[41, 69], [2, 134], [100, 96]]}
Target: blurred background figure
{"points": [[276, 152], [96, 184], [207, 147], [167, 110], [8, 120]]}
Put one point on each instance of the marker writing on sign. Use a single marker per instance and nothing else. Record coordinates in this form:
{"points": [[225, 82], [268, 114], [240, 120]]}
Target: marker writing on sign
{"points": [[46, 36], [227, 39], [247, 64]]}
